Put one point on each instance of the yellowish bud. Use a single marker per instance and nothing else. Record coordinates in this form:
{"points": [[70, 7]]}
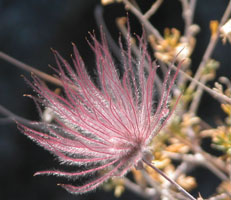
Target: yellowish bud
{"points": [[187, 182], [213, 27]]}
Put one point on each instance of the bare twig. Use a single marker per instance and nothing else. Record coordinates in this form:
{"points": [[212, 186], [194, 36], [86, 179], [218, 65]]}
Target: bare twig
{"points": [[54, 80], [195, 81], [219, 197], [188, 14], [159, 190], [182, 190], [218, 163], [29, 68], [220, 97], [196, 100], [195, 147], [153, 9], [143, 20], [150, 181], [13, 117], [211, 46], [146, 193], [181, 169], [206, 57], [198, 159]]}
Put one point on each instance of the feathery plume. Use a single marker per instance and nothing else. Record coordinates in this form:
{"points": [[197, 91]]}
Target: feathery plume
{"points": [[102, 130]]}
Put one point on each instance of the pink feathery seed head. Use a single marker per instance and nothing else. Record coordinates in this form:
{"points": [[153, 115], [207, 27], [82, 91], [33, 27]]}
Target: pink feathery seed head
{"points": [[102, 130]]}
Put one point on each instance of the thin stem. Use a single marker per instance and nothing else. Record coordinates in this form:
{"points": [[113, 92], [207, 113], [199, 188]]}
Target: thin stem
{"points": [[28, 68], [170, 180], [188, 14], [203, 158], [206, 57], [146, 193], [198, 159], [219, 197], [143, 20], [153, 9], [181, 169], [160, 192], [220, 97], [197, 97], [13, 117], [210, 48], [31, 69], [55, 81]]}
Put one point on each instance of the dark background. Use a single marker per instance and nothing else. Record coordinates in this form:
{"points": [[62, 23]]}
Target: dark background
{"points": [[28, 29]]}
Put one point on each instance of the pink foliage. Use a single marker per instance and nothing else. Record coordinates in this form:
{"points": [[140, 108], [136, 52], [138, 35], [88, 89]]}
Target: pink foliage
{"points": [[103, 130]]}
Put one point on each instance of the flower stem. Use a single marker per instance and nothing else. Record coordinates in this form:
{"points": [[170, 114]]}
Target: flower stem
{"points": [[182, 190]]}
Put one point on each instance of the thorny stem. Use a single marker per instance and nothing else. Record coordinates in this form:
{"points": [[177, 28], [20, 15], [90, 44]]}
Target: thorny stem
{"points": [[182, 190], [143, 20], [210, 48]]}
